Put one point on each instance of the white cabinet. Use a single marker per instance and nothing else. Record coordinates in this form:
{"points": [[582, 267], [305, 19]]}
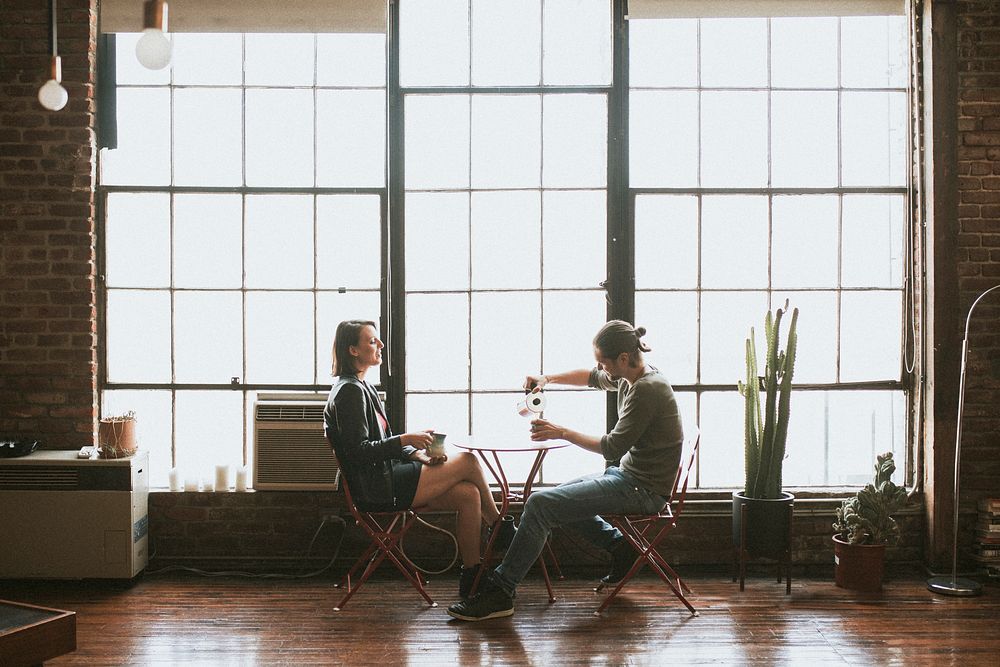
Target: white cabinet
{"points": [[67, 518]]}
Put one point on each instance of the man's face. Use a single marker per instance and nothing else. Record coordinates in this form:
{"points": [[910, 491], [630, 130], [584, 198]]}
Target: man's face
{"points": [[613, 367]]}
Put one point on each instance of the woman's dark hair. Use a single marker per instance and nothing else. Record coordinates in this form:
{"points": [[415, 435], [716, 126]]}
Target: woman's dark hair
{"points": [[348, 334], [618, 336]]}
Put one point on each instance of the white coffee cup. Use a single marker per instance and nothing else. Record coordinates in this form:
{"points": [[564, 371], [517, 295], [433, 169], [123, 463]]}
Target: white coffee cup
{"points": [[436, 448]]}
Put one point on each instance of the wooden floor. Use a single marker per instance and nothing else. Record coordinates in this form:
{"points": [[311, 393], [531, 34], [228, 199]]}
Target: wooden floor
{"points": [[183, 619]]}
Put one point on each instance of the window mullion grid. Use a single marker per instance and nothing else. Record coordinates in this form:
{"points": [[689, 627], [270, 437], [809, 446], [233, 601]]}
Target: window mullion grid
{"points": [[243, 237], [699, 211], [170, 273], [471, 37], [770, 167], [840, 198], [315, 213], [392, 300], [541, 237]]}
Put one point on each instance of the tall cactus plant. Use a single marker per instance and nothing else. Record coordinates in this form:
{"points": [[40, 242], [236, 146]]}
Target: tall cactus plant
{"points": [[766, 426]]}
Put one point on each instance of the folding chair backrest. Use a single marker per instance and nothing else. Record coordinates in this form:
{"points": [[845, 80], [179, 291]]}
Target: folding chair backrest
{"points": [[343, 483], [689, 453]]}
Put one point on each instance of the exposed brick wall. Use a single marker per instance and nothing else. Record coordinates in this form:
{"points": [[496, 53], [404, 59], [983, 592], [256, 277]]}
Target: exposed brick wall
{"points": [[979, 246], [47, 158], [272, 530]]}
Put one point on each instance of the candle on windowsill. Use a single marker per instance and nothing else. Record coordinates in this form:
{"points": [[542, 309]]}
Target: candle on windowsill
{"points": [[191, 484], [175, 480], [221, 478], [241, 478], [208, 484]]}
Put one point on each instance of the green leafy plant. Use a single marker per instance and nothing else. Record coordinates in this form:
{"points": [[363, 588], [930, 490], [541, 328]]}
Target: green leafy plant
{"points": [[866, 518], [766, 424]]}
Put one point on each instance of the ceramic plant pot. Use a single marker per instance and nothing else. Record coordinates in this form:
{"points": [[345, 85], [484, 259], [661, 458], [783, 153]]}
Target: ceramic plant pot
{"points": [[858, 567]]}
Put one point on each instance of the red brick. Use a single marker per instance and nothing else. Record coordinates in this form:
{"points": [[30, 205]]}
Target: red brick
{"points": [[981, 138], [980, 197], [48, 398], [979, 109], [971, 153], [969, 211], [969, 124], [980, 168]]}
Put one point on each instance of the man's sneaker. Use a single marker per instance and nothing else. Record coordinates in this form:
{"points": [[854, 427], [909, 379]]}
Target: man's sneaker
{"points": [[490, 602], [465, 579], [505, 530], [622, 558]]}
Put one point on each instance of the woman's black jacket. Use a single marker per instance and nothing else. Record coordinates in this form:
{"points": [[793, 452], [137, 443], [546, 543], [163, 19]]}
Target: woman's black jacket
{"points": [[364, 449]]}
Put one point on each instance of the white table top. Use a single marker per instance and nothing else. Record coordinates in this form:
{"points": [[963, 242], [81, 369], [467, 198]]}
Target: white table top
{"points": [[500, 443]]}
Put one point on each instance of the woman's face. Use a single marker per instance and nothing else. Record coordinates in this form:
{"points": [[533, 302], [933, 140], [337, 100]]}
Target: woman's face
{"points": [[368, 351]]}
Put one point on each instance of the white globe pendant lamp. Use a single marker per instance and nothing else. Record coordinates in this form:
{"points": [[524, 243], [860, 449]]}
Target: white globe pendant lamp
{"points": [[154, 47], [52, 95]]}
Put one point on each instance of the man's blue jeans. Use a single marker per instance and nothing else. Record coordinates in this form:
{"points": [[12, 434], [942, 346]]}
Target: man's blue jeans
{"points": [[576, 504]]}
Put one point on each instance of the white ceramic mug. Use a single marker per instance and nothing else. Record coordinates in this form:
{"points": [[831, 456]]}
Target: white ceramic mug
{"points": [[436, 448]]}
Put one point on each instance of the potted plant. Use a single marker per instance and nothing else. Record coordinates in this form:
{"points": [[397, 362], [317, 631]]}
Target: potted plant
{"points": [[762, 511], [864, 527]]}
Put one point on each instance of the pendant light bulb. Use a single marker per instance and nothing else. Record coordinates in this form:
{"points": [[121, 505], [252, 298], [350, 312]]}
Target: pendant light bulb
{"points": [[52, 95], [154, 47]]}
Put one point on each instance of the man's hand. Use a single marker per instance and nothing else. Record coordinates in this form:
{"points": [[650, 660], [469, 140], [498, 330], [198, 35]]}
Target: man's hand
{"points": [[546, 430], [535, 382]]}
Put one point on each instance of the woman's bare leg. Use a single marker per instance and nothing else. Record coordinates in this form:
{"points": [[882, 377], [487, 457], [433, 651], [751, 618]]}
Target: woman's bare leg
{"points": [[463, 467], [463, 498]]}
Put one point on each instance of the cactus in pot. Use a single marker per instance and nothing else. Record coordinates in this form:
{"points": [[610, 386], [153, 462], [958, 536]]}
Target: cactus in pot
{"points": [[766, 424], [866, 517]]}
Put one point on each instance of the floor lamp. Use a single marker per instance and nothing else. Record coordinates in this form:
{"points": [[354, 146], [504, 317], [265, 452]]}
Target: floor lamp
{"points": [[953, 585]]}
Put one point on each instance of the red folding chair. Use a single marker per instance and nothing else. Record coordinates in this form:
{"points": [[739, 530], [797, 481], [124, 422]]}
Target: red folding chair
{"points": [[385, 530], [646, 532]]}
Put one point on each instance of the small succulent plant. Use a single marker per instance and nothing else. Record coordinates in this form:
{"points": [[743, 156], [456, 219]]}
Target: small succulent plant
{"points": [[866, 518]]}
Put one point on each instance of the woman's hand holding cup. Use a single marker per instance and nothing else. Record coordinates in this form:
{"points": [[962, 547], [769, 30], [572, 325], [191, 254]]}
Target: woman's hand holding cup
{"points": [[418, 439]]}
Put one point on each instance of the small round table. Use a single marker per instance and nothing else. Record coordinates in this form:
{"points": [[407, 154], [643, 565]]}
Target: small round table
{"points": [[490, 447]]}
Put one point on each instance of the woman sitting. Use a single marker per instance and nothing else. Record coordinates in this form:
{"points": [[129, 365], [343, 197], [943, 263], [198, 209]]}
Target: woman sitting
{"points": [[389, 472]]}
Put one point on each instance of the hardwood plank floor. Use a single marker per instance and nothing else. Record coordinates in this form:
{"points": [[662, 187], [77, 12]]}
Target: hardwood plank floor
{"points": [[182, 619]]}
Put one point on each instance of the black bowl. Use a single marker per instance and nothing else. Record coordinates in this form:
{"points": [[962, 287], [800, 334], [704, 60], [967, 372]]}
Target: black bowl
{"points": [[13, 448]]}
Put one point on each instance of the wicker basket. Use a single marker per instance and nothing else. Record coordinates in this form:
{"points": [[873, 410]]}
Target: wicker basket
{"points": [[116, 436]]}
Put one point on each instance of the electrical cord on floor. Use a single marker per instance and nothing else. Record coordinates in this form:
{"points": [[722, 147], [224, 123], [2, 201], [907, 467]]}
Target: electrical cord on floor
{"points": [[268, 575], [454, 540]]}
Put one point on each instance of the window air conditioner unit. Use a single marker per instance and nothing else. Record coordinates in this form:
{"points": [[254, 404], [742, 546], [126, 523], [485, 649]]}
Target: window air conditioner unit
{"points": [[290, 451]]}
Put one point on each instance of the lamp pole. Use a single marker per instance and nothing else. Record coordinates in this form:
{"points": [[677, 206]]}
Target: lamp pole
{"points": [[954, 585]]}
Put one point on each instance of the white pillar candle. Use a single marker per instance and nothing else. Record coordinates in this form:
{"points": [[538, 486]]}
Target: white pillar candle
{"points": [[175, 480], [191, 484], [221, 478], [241, 478], [208, 484]]}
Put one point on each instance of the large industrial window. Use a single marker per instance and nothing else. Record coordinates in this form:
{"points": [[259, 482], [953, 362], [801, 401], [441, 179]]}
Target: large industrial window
{"points": [[506, 132], [247, 211], [768, 161], [244, 209]]}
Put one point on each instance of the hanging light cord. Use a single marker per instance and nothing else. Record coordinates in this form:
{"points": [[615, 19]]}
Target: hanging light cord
{"points": [[55, 33]]}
